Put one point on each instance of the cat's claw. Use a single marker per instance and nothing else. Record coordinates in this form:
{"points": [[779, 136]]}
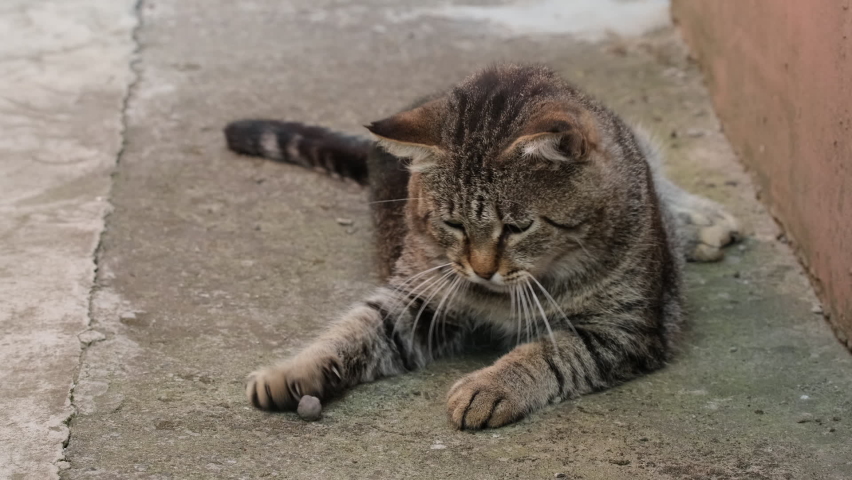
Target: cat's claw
{"points": [[282, 386], [480, 400]]}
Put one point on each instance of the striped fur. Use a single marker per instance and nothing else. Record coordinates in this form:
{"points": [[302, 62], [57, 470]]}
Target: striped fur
{"points": [[307, 146], [543, 220]]}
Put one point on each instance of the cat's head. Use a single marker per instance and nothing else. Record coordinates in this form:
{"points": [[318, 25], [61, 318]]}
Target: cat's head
{"points": [[509, 175]]}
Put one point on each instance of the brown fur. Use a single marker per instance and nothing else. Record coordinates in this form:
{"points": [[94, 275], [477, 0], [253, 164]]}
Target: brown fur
{"points": [[529, 210]]}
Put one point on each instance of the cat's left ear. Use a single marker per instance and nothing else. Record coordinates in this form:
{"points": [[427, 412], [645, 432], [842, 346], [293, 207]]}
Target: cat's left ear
{"points": [[413, 134], [559, 135]]}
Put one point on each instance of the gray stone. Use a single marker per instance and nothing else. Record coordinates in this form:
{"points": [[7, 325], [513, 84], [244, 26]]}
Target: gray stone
{"points": [[309, 408]]}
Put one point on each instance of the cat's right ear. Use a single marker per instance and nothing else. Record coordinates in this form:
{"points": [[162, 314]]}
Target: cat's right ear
{"points": [[413, 134]]}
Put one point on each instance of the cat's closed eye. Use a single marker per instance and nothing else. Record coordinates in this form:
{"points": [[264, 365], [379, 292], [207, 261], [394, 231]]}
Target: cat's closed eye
{"points": [[454, 225], [518, 227], [570, 227]]}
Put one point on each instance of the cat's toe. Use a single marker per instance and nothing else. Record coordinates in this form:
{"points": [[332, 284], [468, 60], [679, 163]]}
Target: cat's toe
{"points": [[475, 403], [706, 230], [281, 387], [267, 390]]}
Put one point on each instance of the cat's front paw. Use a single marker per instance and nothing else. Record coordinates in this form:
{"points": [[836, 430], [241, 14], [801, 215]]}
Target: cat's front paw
{"points": [[282, 386], [483, 400]]}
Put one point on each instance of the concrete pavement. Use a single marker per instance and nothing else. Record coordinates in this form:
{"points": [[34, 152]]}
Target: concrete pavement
{"points": [[64, 75], [213, 264]]}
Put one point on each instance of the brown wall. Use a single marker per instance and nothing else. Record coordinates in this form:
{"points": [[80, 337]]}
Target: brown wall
{"points": [[780, 72]]}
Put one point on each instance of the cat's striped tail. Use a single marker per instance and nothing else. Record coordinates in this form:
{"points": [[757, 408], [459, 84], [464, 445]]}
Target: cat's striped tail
{"points": [[299, 144]]}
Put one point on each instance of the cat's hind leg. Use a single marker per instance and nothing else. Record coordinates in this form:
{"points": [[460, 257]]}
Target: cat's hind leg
{"points": [[702, 226]]}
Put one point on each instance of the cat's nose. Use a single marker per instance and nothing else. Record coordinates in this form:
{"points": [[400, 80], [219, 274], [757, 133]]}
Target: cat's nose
{"points": [[483, 260], [487, 274]]}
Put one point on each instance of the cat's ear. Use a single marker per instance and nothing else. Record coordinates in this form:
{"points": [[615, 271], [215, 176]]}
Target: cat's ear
{"points": [[559, 136], [413, 134]]}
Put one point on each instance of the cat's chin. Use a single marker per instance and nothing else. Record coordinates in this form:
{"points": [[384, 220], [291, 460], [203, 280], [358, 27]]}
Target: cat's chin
{"points": [[488, 286]]}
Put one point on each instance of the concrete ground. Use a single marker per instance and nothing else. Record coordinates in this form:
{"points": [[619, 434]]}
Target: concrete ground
{"points": [[213, 264], [60, 132]]}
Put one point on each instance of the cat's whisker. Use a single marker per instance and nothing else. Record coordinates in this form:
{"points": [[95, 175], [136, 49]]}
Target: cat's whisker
{"points": [[553, 302], [512, 313], [396, 300], [578, 242], [452, 286], [517, 311], [399, 288], [463, 286], [532, 308], [423, 287], [417, 292], [410, 279], [443, 283], [541, 310], [526, 310], [435, 315], [460, 292]]}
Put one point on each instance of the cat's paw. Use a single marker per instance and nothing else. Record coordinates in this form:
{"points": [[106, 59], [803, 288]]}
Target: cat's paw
{"points": [[706, 228], [282, 386], [483, 400]]}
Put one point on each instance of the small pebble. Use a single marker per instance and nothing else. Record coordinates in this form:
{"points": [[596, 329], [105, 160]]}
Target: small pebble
{"points": [[345, 221], [91, 336], [817, 309], [310, 408], [805, 418], [759, 412], [559, 475]]}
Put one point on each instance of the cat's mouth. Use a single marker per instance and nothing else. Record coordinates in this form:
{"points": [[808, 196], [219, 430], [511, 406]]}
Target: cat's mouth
{"points": [[498, 283]]}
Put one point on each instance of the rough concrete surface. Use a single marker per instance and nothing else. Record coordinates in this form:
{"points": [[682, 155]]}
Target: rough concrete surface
{"points": [[779, 78], [212, 264], [64, 73]]}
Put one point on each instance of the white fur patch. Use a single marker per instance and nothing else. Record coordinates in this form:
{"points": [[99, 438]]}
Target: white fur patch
{"points": [[422, 157], [269, 144], [292, 149], [546, 147]]}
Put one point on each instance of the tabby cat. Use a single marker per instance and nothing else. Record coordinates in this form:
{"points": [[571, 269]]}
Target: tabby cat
{"points": [[512, 203]]}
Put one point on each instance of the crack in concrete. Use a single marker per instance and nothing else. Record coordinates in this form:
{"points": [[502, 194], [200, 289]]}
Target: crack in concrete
{"points": [[134, 65]]}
